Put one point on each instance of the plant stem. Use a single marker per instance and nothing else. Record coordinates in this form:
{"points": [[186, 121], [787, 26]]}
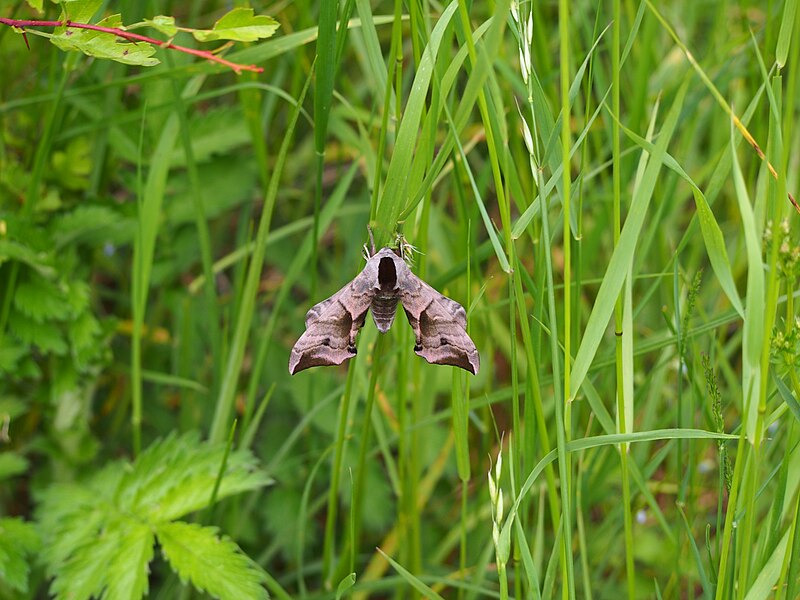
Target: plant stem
{"points": [[135, 37]]}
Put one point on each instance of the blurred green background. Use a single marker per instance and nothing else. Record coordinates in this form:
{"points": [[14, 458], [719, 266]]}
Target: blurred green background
{"points": [[164, 229]]}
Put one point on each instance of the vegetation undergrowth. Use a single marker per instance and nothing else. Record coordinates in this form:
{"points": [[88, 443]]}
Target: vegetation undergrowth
{"points": [[179, 183]]}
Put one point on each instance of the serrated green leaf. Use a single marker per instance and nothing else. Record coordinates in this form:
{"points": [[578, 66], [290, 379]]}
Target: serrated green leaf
{"points": [[18, 540], [239, 25], [212, 564], [92, 224], [86, 573], [84, 333], [68, 525], [37, 5], [129, 566], [42, 335], [100, 534], [106, 45], [194, 494], [12, 464], [177, 476], [41, 300], [165, 25]]}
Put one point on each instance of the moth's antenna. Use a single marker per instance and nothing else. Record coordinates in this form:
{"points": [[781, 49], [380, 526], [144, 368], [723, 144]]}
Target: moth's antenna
{"points": [[369, 252]]}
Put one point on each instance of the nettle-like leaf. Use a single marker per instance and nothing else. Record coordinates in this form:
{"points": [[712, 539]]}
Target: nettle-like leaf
{"points": [[92, 224], [239, 25], [40, 299], [105, 45], [213, 564], [99, 535], [18, 541], [42, 335]]}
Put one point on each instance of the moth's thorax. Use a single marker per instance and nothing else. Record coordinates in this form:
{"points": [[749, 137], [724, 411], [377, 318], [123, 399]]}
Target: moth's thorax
{"points": [[384, 303], [387, 275]]}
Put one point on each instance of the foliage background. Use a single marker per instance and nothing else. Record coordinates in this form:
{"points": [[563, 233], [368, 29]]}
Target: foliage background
{"points": [[164, 230]]}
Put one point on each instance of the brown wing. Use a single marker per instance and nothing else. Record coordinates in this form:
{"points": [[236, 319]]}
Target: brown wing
{"points": [[439, 323], [332, 325]]}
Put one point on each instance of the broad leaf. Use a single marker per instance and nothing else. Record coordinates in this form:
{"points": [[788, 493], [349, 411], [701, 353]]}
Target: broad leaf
{"points": [[105, 45], [78, 11], [239, 25], [165, 25]]}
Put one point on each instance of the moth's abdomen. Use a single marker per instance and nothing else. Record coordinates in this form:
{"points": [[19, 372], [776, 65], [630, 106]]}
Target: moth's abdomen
{"points": [[383, 311]]}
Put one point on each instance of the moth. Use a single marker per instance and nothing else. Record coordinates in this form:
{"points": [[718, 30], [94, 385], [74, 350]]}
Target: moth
{"points": [[439, 323]]}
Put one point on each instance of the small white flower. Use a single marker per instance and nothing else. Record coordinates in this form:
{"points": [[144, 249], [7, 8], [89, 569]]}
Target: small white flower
{"points": [[499, 517], [523, 67], [526, 135], [529, 30]]}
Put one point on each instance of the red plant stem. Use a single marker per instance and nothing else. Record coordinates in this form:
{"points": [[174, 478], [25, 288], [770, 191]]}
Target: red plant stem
{"points": [[21, 23]]}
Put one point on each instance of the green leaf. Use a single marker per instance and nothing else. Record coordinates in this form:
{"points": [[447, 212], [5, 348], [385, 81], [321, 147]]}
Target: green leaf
{"points": [[129, 566], [12, 464], [239, 25], [213, 564], [754, 305], [41, 262], [73, 165], [92, 224], [764, 584], [177, 476], [618, 265], [79, 11], [100, 534], [37, 5], [698, 559], [18, 540], [105, 45], [415, 582], [786, 395], [86, 573], [42, 335], [395, 192], [712, 234], [41, 300], [785, 34], [165, 25], [344, 586]]}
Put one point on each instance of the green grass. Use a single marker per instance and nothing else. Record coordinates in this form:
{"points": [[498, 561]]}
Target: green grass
{"points": [[628, 265]]}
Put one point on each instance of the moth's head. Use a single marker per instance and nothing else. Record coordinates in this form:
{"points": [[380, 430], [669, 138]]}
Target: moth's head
{"points": [[387, 273]]}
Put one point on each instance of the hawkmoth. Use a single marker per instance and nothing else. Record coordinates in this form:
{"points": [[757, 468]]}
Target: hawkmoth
{"points": [[439, 323]]}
